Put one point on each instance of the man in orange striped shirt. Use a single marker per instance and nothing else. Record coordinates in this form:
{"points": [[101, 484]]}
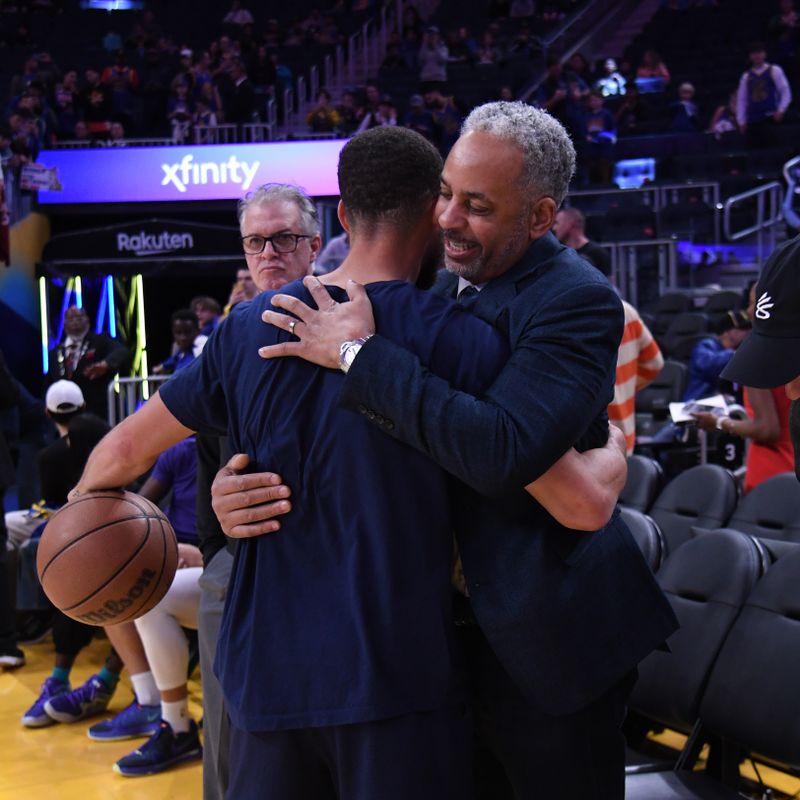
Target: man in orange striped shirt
{"points": [[638, 363]]}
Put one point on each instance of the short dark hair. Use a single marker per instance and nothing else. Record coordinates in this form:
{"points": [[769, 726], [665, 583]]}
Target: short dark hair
{"points": [[388, 175], [208, 303], [184, 315], [756, 47]]}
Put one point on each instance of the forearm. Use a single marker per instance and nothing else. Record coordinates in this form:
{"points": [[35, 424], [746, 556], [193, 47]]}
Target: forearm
{"points": [[492, 449], [581, 489], [131, 448], [112, 464]]}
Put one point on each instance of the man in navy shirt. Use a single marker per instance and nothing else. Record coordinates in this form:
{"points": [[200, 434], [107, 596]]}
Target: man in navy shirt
{"points": [[561, 618], [336, 651]]}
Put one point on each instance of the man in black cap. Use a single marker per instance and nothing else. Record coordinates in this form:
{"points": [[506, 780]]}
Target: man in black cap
{"points": [[770, 355]]}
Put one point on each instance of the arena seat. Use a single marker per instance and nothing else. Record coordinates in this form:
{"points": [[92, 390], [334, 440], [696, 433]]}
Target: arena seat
{"points": [[669, 305], [720, 302], [707, 581], [647, 535], [668, 387], [771, 510], [751, 703], [702, 497], [682, 350], [683, 326], [645, 481]]}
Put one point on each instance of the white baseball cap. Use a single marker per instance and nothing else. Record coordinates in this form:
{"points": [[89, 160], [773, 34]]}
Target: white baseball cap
{"points": [[64, 397]]}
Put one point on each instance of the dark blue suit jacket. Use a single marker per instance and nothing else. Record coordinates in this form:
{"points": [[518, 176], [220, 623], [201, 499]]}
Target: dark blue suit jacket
{"points": [[568, 613]]}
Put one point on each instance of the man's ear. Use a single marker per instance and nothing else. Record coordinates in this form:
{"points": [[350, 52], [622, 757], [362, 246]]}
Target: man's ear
{"points": [[543, 217], [341, 213]]}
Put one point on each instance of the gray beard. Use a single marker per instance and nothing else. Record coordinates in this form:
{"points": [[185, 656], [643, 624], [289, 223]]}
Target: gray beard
{"points": [[480, 270]]}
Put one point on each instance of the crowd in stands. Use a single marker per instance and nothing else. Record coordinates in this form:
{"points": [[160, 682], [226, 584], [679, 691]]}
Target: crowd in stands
{"points": [[153, 83]]}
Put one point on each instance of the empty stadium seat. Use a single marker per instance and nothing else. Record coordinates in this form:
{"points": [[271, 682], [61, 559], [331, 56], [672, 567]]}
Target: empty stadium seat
{"points": [[683, 326], [682, 349], [771, 510], [645, 480], [647, 535], [751, 702], [707, 582], [668, 387], [669, 305], [720, 302], [703, 497]]}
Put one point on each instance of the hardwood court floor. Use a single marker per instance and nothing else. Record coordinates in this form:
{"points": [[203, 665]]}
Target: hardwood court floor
{"points": [[60, 761]]}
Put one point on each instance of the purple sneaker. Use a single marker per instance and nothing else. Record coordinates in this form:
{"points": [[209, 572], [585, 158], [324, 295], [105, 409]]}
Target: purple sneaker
{"points": [[35, 716], [135, 720], [164, 749], [85, 701]]}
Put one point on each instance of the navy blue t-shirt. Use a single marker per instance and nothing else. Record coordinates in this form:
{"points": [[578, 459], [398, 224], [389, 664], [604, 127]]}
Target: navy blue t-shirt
{"points": [[343, 615]]}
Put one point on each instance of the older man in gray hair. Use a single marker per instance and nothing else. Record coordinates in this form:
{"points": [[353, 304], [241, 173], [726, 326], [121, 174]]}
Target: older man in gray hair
{"points": [[280, 234], [553, 621]]}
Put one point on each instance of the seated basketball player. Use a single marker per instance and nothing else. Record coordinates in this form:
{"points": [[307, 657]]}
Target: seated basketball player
{"points": [[336, 650]]}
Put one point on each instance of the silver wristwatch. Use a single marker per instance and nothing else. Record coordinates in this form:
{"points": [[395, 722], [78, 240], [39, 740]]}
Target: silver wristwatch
{"points": [[348, 352]]}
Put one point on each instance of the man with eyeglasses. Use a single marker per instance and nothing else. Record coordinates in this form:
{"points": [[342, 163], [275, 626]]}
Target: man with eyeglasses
{"points": [[280, 235]]}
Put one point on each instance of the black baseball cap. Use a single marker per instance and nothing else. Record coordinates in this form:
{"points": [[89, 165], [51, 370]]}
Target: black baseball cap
{"points": [[770, 355]]}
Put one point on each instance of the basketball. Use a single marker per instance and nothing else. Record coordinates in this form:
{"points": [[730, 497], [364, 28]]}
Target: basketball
{"points": [[107, 557]]}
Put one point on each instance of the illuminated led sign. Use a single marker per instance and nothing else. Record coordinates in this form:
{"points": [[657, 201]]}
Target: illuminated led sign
{"points": [[208, 172]]}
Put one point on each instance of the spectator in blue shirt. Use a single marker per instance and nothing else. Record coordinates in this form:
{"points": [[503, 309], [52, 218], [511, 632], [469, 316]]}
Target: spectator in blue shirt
{"points": [[710, 356], [185, 331]]}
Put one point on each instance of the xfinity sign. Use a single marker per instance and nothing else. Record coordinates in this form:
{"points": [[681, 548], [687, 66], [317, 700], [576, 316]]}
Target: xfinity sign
{"points": [[187, 172], [201, 172], [150, 244]]}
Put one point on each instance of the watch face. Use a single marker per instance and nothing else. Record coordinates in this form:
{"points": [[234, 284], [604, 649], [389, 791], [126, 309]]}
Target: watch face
{"points": [[351, 353]]}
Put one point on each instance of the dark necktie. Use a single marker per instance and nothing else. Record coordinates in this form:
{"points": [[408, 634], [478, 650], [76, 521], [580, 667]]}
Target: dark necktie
{"points": [[467, 296]]}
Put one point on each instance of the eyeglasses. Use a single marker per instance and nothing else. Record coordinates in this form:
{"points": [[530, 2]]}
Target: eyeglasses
{"points": [[281, 243]]}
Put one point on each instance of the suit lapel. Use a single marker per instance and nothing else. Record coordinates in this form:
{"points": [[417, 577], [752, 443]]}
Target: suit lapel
{"points": [[499, 293], [445, 284]]}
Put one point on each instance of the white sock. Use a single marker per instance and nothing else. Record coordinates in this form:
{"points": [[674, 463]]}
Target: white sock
{"points": [[177, 714], [145, 689]]}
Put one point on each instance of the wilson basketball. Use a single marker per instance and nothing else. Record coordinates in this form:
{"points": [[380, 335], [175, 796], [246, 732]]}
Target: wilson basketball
{"points": [[107, 557]]}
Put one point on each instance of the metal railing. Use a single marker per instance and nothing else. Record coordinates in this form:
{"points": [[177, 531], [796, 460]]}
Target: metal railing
{"points": [[765, 218], [257, 132], [126, 395], [791, 174], [657, 198], [215, 134], [571, 36], [350, 65], [625, 258]]}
